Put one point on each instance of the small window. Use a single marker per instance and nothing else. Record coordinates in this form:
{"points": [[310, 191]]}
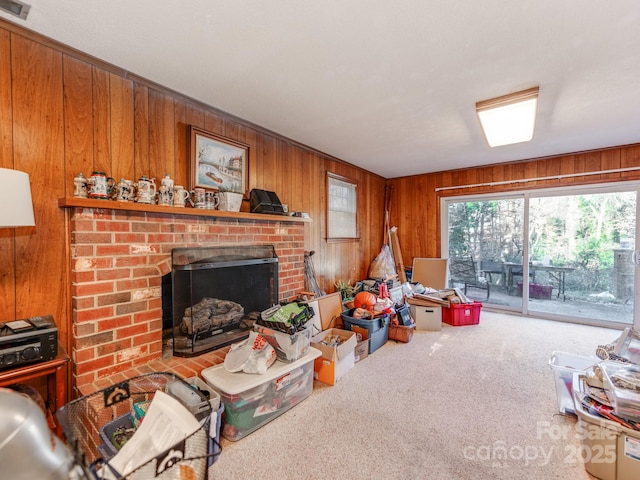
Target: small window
{"points": [[342, 220]]}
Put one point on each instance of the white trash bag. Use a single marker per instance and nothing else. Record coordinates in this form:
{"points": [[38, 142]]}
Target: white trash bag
{"points": [[253, 355], [383, 265]]}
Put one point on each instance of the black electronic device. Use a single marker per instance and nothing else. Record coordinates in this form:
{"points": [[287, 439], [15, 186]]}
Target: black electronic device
{"points": [[27, 341], [263, 201], [18, 326], [39, 322], [404, 315]]}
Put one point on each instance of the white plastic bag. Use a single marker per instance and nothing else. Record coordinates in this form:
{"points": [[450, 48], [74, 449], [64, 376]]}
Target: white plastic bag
{"points": [[253, 355], [383, 265]]}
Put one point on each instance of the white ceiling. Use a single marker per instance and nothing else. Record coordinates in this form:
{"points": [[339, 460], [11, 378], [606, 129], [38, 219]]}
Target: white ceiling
{"points": [[389, 86]]}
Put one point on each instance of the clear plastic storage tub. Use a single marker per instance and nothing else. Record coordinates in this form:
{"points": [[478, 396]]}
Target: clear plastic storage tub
{"points": [[564, 365], [289, 348], [622, 381], [251, 401], [217, 409]]}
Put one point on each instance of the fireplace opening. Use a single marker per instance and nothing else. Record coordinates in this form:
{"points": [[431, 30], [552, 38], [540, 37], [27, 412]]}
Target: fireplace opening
{"points": [[217, 293]]}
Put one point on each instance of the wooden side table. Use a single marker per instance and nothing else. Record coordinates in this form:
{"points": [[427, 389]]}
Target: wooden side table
{"points": [[56, 372]]}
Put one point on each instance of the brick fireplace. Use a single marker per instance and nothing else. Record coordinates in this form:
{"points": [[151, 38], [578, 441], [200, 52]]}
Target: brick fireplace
{"points": [[118, 258]]}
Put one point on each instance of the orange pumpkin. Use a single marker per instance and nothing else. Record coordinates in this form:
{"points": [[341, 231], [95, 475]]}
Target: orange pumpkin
{"points": [[365, 300]]}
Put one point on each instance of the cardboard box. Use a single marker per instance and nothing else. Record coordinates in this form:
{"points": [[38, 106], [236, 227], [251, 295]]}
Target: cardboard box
{"points": [[362, 350], [427, 318], [334, 362], [327, 310], [621, 445], [430, 272]]}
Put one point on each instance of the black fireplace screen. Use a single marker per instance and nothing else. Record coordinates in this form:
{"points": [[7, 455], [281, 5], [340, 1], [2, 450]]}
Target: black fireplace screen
{"points": [[217, 293]]}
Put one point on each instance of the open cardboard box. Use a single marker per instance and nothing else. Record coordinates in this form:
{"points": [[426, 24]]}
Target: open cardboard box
{"points": [[334, 362], [327, 310], [362, 350], [430, 272]]}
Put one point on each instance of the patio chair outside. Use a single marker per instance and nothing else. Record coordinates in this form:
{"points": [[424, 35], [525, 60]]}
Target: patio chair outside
{"points": [[489, 268], [463, 271]]}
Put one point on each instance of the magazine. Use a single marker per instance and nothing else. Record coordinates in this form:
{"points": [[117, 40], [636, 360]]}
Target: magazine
{"points": [[166, 423]]}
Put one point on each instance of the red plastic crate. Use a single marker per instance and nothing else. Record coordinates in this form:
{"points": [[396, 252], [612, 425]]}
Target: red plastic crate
{"points": [[462, 314], [542, 292]]}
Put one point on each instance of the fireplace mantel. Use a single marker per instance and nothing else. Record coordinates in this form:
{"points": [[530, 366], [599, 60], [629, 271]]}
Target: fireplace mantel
{"points": [[119, 253], [75, 202]]}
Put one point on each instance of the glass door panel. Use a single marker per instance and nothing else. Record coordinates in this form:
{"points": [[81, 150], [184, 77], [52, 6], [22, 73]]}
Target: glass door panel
{"points": [[489, 234], [580, 255]]}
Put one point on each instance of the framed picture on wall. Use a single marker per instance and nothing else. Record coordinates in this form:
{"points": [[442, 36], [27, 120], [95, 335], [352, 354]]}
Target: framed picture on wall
{"points": [[218, 163]]}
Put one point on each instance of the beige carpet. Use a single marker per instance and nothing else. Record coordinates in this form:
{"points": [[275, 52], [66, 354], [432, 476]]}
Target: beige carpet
{"points": [[444, 406]]}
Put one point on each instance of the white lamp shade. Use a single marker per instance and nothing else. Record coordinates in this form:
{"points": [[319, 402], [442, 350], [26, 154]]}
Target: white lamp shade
{"points": [[16, 207]]}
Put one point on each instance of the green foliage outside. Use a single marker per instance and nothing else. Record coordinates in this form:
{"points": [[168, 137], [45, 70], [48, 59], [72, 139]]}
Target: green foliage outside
{"points": [[580, 231]]}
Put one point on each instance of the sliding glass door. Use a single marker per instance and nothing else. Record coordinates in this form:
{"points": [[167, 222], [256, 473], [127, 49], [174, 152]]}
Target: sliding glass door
{"points": [[579, 251], [488, 233]]}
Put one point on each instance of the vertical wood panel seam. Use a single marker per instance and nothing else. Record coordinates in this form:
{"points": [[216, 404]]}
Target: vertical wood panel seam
{"points": [[64, 129], [13, 150], [13, 164]]}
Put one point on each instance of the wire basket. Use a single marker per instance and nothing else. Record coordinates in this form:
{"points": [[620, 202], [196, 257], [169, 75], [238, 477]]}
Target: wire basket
{"points": [[85, 420]]}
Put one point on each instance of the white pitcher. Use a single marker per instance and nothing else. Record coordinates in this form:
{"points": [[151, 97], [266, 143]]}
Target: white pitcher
{"points": [[146, 190], [167, 181], [180, 196]]}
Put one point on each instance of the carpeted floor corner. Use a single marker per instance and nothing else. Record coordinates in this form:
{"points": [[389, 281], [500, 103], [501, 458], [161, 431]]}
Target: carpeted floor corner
{"points": [[474, 402]]}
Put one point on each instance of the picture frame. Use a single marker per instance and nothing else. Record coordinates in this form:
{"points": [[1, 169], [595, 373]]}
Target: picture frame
{"points": [[218, 163]]}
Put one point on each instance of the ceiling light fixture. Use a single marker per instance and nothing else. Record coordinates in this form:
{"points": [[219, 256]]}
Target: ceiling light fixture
{"points": [[510, 118], [15, 7]]}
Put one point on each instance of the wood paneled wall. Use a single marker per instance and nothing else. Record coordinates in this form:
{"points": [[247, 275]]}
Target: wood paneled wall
{"points": [[63, 112], [415, 203]]}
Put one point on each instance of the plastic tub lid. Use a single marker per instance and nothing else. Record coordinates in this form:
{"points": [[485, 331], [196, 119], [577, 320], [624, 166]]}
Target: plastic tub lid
{"points": [[570, 361], [236, 383]]}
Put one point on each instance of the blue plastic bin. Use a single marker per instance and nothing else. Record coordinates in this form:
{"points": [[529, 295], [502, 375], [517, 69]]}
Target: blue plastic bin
{"points": [[378, 328], [214, 442]]}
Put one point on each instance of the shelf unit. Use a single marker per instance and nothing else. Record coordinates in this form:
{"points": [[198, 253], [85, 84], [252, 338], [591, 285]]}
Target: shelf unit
{"points": [[76, 202], [56, 374]]}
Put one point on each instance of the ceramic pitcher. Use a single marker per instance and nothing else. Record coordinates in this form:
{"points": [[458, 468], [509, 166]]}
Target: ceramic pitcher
{"points": [[198, 198], [167, 181], [125, 190], [165, 195], [80, 183], [211, 201], [180, 196], [100, 186], [146, 190]]}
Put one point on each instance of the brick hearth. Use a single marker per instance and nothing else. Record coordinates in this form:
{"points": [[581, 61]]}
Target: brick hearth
{"points": [[118, 259]]}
